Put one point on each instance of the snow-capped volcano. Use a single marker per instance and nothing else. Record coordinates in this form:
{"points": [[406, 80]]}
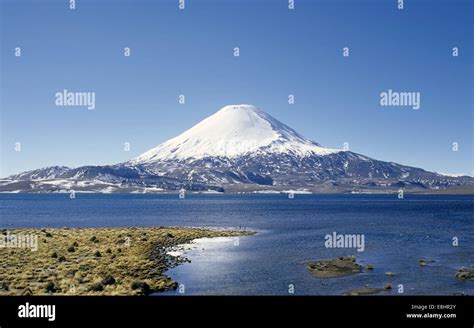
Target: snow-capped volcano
{"points": [[234, 131], [239, 148]]}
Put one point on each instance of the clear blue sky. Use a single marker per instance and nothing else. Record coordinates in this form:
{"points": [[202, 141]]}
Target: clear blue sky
{"points": [[190, 52]]}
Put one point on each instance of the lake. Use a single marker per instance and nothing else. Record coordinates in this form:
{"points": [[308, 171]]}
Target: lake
{"points": [[397, 233]]}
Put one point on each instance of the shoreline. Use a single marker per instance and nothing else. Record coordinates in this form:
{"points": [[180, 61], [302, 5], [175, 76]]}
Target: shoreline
{"points": [[431, 192], [96, 261]]}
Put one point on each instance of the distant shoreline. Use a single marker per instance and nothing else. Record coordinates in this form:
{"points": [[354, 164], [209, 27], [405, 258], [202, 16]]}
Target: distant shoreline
{"points": [[261, 192]]}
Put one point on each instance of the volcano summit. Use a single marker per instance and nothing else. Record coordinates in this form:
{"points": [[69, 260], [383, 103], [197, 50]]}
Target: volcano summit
{"points": [[236, 130]]}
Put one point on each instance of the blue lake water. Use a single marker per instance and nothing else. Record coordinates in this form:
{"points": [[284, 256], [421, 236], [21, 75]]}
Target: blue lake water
{"points": [[290, 231]]}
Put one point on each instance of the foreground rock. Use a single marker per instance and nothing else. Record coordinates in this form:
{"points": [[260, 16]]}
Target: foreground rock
{"points": [[342, 266], [105, 261], [368, 290], [465, 274], [424, 262]]}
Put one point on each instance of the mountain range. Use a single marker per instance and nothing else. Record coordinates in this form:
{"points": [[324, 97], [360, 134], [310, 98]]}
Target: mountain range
{"points": [[239, 148]]}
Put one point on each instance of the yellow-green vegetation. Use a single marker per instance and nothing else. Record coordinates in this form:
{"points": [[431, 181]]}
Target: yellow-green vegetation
{"points": [[96, 261]]}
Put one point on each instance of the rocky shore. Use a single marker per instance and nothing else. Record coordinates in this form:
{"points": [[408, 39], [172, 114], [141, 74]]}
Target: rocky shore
{"points": [[95, 261], [465, 274], [347, 265]]}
